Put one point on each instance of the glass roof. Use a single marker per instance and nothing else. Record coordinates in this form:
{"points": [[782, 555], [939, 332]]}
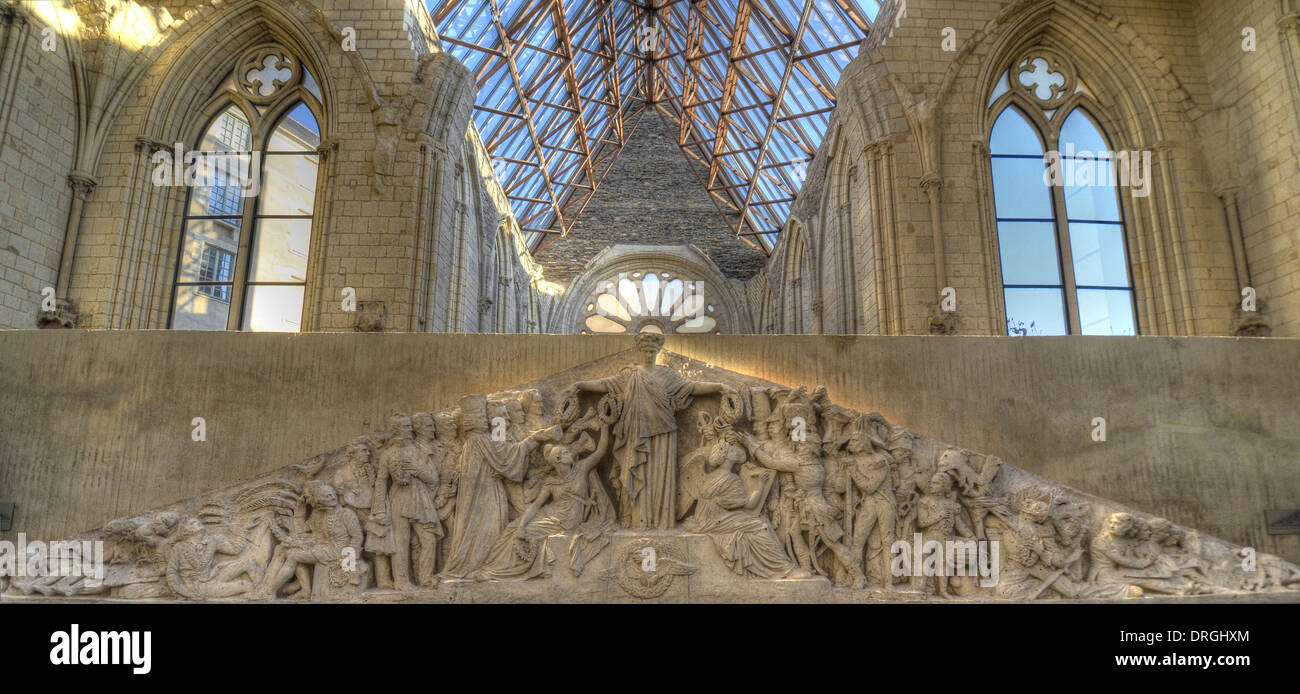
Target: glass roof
{"points": [[750, 82]]}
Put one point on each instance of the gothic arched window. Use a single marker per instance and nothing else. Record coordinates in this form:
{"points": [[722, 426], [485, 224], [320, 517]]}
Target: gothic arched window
{"points": [[1056, 199], [247, 227]]}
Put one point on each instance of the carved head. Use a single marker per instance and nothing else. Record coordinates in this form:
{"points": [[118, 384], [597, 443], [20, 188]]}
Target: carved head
{"points": [[649, 344], [516, 410], [163, 523], [1119, 524], [726, 452], [320, 495], [557, 455], [940, 484], [473, 414], [359, 451], [399, 425], [191, 526], [422, 422], [496, 408], [445, 424]]}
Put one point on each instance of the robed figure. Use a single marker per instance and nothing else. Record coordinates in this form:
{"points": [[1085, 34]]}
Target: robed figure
{"points": [[645, 434], [483, 505]]}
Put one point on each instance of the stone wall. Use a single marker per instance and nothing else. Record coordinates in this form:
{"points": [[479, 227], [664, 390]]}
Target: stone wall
{"points": [[1171, 78], [650, 195], [408, 212], [98, 425], [37, 139]]}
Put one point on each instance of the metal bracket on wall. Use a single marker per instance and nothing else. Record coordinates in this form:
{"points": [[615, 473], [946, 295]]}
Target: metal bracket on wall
{"points": [[1283, 522]]}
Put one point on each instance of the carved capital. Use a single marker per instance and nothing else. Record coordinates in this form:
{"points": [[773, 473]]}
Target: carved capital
{"points": [[83, 184], [149, 145], [877, 148], [1289, 23], [931, 183], [326, 148], [13, 14], [1228, 191]]}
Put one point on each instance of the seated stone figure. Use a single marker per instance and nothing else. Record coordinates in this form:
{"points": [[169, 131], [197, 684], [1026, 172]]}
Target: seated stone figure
{"points": [[570, 501], [726, 511], [329, 540], [193, 571]]}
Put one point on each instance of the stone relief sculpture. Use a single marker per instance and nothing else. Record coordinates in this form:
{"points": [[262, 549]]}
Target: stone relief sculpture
{"points": [[664, 481]]}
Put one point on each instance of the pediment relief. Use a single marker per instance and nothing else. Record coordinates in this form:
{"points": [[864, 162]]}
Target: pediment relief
{"points": [[648, 476]]}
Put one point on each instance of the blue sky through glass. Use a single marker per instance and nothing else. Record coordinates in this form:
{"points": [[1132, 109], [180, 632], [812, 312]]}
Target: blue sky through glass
{"points": [[750, 83]]}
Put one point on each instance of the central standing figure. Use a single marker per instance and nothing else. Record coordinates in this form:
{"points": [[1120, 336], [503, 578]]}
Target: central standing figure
{"points": [[645, 435]]}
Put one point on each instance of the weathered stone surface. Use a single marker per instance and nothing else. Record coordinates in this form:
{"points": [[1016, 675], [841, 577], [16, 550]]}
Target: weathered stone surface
{"points": [[635, 470], [650, 196]]}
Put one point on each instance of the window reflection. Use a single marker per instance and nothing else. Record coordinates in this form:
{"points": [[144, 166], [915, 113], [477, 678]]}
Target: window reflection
{"points": [[275, 202]]}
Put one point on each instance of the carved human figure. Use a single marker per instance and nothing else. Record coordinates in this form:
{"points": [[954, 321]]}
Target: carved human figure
{"points": [[482, 506], [938, 515], [447, 464], [727, 510], [323, 551], [570, 501], [193, 571], [973, 482], [871, 471], [1036, 562], [404, 507], [817, 520], [1121, 554], [645, 435], [146, 576]]}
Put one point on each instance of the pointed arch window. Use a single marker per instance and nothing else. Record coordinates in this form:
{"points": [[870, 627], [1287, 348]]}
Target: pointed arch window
{"points": [[250, 204], [1060, 223]]}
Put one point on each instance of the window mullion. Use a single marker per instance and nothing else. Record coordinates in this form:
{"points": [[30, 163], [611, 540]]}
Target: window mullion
{"points": [[239, 290], [1067, 260]]}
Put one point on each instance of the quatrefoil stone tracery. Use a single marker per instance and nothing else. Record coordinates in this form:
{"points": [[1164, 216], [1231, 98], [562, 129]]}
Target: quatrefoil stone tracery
{"points": [[270, 76], [264, 72], [1044, 76]]}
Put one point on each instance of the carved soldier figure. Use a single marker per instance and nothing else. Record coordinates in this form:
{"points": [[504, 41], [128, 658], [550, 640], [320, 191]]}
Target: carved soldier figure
{"points": [[645, 435], [327, 537], [937, 515], [871, 472], [193, 571], [406, 508], [817, 519], [1037, 562]]}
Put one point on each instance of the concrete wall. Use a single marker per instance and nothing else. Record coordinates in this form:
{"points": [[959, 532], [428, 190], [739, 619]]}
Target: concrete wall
{"points": [[96, 425]]}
